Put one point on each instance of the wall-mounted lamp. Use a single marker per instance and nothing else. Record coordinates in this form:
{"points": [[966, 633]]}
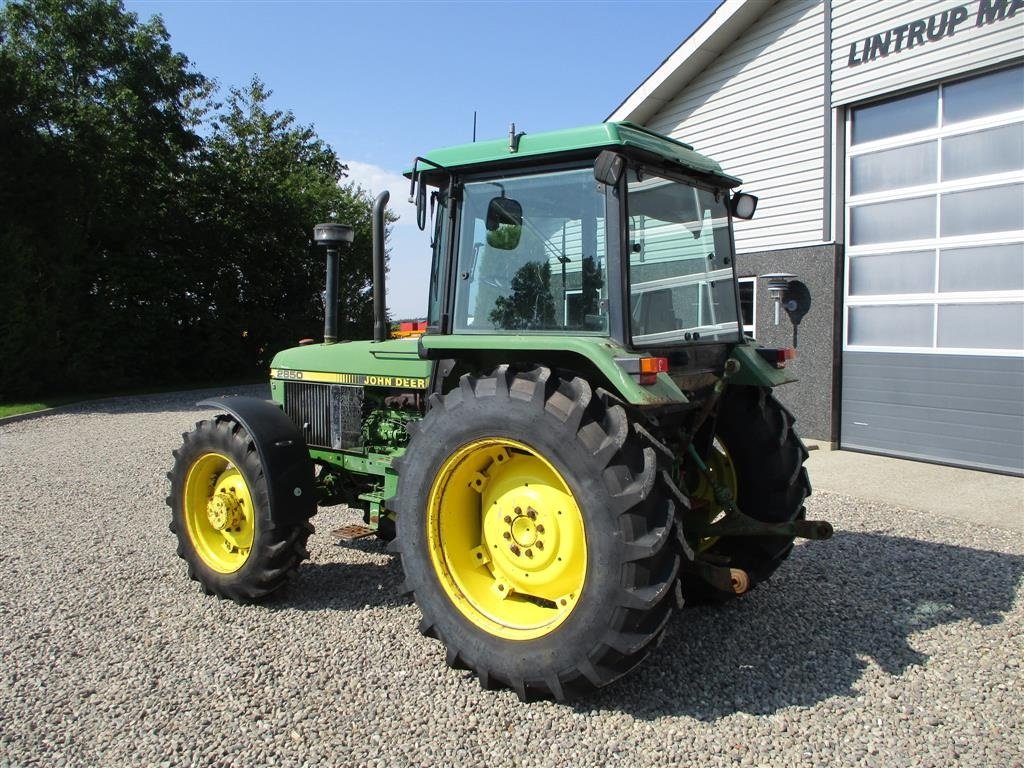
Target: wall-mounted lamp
{"points": [[778, 287]]}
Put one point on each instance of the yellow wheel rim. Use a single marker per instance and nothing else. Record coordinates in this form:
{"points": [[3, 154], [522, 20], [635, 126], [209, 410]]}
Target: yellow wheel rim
{"points": [[219, 516], [506, 539], [722, 471]]}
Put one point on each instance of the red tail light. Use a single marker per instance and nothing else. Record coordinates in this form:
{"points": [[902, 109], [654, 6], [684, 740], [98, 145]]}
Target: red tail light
{"points": [[777, 357]]}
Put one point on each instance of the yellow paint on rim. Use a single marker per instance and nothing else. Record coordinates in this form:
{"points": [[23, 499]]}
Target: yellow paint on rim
{"points": [[721, 469], [506, 539], [219, 516]]}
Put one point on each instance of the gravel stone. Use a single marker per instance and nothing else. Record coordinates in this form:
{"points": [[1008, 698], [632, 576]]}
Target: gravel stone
{"points": [[896, 643]]}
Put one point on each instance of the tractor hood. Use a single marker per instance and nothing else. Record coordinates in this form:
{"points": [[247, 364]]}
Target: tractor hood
{"points": [[393, 364]]}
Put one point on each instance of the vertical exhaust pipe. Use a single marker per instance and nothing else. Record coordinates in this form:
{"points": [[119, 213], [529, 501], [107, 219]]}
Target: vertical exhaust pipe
{"points": [[380, 314], [331, 298], [332, 237]]}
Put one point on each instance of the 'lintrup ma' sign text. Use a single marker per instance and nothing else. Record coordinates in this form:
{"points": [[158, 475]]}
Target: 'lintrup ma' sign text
{"points": [[931, 29]]}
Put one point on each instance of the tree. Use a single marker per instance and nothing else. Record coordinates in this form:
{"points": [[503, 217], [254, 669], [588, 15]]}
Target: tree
{"points": [[268, 181], [134, 250], [98, 123]]}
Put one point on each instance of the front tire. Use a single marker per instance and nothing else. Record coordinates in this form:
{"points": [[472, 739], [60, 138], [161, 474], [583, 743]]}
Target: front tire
{"points": [[535, 529], [233, 543]]}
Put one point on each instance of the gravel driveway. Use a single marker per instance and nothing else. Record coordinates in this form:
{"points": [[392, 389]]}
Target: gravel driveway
{"points": [[897, 643]]}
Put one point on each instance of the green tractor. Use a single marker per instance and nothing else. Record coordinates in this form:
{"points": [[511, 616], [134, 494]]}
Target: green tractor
{"points": [[582, 439]]}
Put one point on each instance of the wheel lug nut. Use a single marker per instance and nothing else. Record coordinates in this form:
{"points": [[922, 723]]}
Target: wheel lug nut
{"points": [[507, 535], [540, 528], [529, 553], [514, 549], [519, 510], [531, 513], [540, 545], [508, 519]]}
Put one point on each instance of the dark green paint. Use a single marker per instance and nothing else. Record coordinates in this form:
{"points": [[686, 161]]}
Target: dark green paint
{"points": [[366, 464], [394, 358], [600, 351], [755, 371]]}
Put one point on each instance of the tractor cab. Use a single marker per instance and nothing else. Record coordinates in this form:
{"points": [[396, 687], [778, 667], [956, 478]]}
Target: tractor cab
{"points": [[608, 231]]}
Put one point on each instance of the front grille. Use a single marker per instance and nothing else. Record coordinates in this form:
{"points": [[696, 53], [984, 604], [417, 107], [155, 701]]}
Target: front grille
{"points": [[309, 406], [329, 415]]}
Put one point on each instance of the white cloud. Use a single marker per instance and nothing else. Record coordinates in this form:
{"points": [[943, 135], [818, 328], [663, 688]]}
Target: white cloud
{"points": [[377, 179], [409, 275]]}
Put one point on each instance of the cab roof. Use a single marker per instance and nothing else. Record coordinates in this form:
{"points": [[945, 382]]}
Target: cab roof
{"points": [[630, 138]]}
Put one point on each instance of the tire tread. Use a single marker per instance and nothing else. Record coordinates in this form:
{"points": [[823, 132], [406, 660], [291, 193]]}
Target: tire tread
{"points": [[630, 464], [279, 547]]}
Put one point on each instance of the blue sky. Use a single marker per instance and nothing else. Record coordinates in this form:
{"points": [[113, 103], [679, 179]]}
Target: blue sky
{"points": [[383, 82]]}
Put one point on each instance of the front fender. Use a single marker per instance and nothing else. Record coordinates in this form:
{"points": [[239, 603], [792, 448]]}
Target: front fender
{"points": [[287, 468]]}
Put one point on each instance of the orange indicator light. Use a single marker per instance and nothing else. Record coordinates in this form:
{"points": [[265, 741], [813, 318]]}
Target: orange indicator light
{"points": [[650, 367]]}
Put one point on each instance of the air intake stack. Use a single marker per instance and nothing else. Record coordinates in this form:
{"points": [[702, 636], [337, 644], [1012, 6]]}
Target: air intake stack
{"points": [[332, 237]]}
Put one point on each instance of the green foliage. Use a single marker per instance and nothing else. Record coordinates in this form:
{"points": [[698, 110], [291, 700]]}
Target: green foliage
{"points": [[265, 183], [148, 234], [506, 237]]}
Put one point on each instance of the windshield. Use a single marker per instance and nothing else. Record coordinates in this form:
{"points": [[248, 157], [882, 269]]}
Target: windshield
{"points": [[680, 263], [532, 255]]}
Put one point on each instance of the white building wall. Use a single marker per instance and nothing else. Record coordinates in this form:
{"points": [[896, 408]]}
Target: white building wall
{"points": [[760, 110], [991, 32]]}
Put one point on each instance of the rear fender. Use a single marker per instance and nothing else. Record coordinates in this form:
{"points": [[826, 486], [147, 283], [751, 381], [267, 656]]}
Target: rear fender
{"points": [[598, 358], [283, 455], [755, 371]]}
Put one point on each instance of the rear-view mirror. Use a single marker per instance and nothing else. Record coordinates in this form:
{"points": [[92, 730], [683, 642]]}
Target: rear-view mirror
{"points": [[608, 167]]}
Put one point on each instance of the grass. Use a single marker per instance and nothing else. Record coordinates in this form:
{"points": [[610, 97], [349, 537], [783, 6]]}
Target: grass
{"points": [[16, 409]]}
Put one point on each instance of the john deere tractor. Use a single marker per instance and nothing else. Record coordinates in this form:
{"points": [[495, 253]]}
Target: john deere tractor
{"points": [[581, 440]]}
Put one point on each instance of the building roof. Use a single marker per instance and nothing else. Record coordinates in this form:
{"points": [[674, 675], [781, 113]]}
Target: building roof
{"points": [[728, 21]]}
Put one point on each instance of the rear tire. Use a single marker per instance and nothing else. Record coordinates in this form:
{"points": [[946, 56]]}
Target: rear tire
{"points": [[766, 459], [233, 543], [509, 460]]}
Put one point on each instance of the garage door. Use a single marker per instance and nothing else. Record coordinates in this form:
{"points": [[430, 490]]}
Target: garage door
{"points": [[933, 356]]}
